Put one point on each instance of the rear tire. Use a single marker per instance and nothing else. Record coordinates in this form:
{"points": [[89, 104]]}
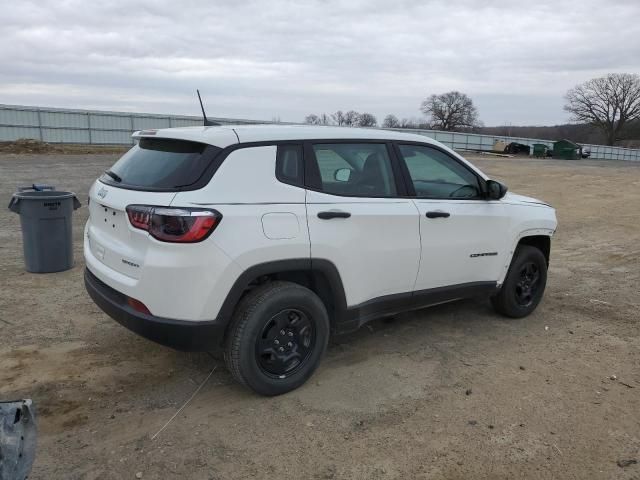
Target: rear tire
{"points": [[278, 335], [524, 284]]}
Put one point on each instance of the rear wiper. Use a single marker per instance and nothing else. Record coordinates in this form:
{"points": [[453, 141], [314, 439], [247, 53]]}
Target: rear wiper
{"points": [[115, 176]]}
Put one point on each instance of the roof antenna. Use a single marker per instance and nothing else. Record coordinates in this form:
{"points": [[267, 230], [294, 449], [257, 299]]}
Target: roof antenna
{"points": [[206, 122]]}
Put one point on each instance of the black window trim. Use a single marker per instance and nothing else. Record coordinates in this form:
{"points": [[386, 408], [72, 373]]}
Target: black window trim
{"points": [[402, 179], [409, 181]]}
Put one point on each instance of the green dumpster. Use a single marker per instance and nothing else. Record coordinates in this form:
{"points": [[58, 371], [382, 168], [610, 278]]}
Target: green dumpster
{"points": [[567, 150], [540, 150]]}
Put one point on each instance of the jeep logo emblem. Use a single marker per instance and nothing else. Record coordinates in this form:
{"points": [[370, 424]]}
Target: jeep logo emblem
{"points": [[103, 192]]}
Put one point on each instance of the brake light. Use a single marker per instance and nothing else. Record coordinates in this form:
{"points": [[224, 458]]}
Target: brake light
{"points": [[140, 216], [177, 225]]}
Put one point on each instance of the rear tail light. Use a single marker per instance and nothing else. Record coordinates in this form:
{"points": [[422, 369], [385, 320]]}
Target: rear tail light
{"points": [[178, 225]]}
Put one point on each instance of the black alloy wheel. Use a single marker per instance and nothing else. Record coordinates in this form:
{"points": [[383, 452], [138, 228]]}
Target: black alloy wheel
{"points": [[285, 343], [527, 285]]}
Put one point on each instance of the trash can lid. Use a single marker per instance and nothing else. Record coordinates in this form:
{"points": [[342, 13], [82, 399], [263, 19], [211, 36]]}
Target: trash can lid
{"points": [[44, 195]]}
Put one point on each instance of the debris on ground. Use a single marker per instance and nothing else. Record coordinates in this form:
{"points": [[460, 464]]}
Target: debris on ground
{"points": [[26, 145], [503, 155], [33, 146], [18, 433], [627, 462]]}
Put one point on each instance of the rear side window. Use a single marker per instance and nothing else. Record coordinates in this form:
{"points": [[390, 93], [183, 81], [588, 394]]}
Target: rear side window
{"points": [[289, 165], [349, 169], [161, 164]]}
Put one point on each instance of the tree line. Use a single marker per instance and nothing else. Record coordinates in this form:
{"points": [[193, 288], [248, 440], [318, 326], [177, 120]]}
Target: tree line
{"points": [[343, 119], [605, 110], [357, 119], [448, 111]]}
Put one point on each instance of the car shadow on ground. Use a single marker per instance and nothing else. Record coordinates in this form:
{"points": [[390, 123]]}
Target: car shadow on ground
{"points": [[388, 334]]}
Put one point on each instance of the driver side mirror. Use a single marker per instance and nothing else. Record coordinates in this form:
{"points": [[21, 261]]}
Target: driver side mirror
{"points": [[495, 190]]}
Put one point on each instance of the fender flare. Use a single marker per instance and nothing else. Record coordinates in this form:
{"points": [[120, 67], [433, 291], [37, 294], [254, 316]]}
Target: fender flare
{"points": [[531, 232], [312, 266]]}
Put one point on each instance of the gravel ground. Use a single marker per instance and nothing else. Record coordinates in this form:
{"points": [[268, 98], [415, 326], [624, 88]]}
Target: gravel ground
{"points": [[454, 391]]}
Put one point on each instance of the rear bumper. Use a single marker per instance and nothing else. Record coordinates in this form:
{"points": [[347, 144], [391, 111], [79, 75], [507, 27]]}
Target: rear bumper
{"points": [[178, 334]]}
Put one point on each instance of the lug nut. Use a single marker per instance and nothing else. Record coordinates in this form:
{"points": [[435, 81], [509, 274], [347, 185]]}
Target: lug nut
{"points": [[289, 344], [290, 334], [282, 332], [276, 341], [281, 349]]}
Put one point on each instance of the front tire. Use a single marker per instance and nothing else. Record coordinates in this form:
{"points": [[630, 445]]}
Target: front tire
{"points": [[278, 335], [524, 284]]}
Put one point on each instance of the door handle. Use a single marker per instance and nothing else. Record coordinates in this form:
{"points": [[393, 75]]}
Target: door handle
{"points": [[438, 214], [333, 214]]}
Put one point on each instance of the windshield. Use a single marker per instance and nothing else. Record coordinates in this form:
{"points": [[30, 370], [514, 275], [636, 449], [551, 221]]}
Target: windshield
{"points": [[161, 164]]}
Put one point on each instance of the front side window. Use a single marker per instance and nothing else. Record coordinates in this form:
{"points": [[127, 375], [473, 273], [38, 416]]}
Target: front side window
{"points": [[436, 175], [351, 169]]}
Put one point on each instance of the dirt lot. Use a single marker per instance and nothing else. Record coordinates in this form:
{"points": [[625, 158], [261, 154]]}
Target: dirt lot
{"points": [[388, 402]]}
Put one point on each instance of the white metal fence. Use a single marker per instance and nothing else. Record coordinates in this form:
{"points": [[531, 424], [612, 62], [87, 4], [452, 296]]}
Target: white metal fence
{"points": [[472, 141], [57, 125]]}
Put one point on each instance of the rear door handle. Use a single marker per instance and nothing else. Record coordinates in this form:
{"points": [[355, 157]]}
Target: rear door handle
{"points": [[333, 214], [438, 214]]}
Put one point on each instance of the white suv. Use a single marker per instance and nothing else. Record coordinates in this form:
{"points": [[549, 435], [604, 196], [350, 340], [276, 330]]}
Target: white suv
{"points": [[263, 240]]}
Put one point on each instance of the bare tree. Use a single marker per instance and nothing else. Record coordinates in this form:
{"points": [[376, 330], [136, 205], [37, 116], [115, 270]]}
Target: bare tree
{"points": [[408, 123], [312, 119], [351, 118], [322, 119], [608, 103], [367, 120], [391, 121], [325, 119], [450, 111], [338, 118]]}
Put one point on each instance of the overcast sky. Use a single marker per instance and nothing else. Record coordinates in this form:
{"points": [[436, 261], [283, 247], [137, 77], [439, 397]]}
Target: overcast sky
{"points": [[266, 59]]}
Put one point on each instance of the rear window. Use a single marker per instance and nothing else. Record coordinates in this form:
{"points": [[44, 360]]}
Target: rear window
{"points": [[161, 164]]}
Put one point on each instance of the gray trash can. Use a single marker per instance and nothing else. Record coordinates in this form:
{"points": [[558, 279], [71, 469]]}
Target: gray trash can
{"points": [[45, 217]]}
